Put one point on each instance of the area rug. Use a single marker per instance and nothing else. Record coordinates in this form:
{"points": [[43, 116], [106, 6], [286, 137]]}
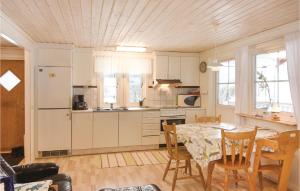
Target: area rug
{"points": [[139, 158]]}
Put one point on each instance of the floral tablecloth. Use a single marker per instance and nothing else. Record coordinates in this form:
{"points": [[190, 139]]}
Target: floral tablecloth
{"points": [[203, 141]]}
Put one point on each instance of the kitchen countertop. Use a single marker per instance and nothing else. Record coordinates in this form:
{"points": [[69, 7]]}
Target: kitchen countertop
{"points": [[128, 109]]}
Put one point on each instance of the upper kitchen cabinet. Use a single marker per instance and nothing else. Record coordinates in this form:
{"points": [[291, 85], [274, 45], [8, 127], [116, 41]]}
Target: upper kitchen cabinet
{"points": [[55, 56], [189, 68], [174, 67], [162, 67], [83, 67]]}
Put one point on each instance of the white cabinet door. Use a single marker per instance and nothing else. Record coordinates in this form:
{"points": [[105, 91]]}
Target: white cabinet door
{"points": [[105, 129], [162, 67], [82, 130], [54, 57], [174, 67], [83, 67], [54, 87], [54, 129], [191, 114], [189, 67], [130, 127]]}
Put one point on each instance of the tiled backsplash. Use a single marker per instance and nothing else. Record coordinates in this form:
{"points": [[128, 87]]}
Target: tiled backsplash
{"points": [[158, 96]]}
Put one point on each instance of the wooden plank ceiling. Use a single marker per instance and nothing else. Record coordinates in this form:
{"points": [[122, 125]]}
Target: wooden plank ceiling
{"points": [[172, 25]]}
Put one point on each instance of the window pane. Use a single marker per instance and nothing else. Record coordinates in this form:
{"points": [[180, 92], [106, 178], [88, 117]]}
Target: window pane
{"points": [[110, 89], [223, 74], [285, 100], [266, 65], [135, 88], [223, 92], [232, 71], [231, 94], [283, 73]]}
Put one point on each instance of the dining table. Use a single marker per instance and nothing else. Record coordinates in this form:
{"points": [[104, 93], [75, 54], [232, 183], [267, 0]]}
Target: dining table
{"points": [[203, 140]]}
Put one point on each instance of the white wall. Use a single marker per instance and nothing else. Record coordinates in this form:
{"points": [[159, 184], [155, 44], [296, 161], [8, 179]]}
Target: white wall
{"points": [[23, 40]]}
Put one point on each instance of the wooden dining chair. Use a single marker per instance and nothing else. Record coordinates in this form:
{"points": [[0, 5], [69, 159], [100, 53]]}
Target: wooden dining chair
{"points": [[178, 154], [208, 119], [237, 158], [283, 151]]}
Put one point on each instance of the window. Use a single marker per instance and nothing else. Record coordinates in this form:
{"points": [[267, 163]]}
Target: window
{"points": [[135, 87], [271, 84], [226, 83], [110, 88]]}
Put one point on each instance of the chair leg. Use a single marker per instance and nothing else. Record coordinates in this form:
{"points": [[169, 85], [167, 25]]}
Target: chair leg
{"points": [[190, 168], [260, 177], [285, 173], [236, 178], [186, 166], [175, 175], [167, 169], [250, 180], [201, 176], [211, 166], [226, 180]]}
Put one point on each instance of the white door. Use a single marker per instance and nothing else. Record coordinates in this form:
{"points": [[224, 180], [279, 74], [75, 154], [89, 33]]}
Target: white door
{"points": [[54, 129], [174, 67], [130, 128], [82, 130], [105, 129], [54, 87], [162, 67]]}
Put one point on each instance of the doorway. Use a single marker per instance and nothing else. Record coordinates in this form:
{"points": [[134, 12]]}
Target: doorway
{"points": [[12, 108]]}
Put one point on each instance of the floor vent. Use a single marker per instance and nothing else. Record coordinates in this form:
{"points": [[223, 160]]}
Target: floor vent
{"points": [[56, 153]]}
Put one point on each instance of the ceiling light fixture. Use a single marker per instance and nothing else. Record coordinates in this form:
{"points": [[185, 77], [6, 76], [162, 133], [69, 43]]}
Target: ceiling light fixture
{"points": [[130, 49], [8, 39]]}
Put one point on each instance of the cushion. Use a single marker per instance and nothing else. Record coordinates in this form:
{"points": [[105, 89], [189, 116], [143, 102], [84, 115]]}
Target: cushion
{"points": [[34, 186], [150, 187]]}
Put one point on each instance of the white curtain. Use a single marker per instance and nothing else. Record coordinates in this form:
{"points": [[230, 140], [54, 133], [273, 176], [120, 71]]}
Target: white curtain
{"points": [[242, 82], [123, 64], [292, 42]]}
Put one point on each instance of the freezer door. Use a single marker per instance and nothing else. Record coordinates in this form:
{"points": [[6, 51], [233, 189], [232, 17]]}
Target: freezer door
{"points": [[54, 87], [54, 129]]}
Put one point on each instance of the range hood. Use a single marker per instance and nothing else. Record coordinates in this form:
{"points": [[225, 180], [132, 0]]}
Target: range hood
{"points": [[174, 82]]}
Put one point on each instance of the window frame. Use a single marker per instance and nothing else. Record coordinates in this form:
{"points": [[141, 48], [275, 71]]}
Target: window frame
{"points": [[272, 81], [218, 84]]}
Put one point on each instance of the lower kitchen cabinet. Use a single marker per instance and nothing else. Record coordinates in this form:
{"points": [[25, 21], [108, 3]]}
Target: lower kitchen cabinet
{"points": [[130, 127], [105, 129], [190, 114], [82, 130]]}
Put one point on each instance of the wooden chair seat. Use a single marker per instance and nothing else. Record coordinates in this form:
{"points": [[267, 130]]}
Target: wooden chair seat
{"points": [[182, 154]]}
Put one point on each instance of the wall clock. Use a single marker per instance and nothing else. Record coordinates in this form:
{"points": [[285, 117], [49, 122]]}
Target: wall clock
{"points": [[203, 67]]}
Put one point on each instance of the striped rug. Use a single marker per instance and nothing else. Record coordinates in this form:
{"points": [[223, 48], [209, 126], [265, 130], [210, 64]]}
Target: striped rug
{"points": [[138, 158]]}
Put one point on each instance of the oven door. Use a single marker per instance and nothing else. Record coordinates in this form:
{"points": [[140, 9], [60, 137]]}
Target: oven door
{"points": [[170, 121]]}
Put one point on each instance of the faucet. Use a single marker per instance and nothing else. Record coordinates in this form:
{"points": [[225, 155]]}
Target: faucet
{"points": [[111, 106]]}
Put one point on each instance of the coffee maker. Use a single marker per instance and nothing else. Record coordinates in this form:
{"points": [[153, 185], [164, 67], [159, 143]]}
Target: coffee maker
{"points": [[79, 103]]}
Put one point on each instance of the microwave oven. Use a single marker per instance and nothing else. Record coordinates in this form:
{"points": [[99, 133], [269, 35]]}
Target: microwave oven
{"points": [[188, 100]]}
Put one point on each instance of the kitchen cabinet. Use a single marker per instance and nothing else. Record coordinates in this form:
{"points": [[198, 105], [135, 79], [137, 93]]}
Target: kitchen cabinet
{"points": [[151, 128], [190, 114], [82, 130], [83, 67], [174, 67], [162, 67], [189, 69], [54, 57], [130, 127], [105, 129], [54, 129]]}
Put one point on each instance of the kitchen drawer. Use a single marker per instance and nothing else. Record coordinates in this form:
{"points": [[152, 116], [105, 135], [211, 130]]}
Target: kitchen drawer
{"points": [[150, 140], [151, 126], [147, 132], [151, 114], [151, 120]]}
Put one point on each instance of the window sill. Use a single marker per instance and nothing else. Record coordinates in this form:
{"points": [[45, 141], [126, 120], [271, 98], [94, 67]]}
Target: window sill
{"points": [[226, 106], [283, 120]]}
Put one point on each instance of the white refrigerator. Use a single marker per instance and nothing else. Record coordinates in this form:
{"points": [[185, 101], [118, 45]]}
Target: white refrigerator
{"points": [[54, 108]]}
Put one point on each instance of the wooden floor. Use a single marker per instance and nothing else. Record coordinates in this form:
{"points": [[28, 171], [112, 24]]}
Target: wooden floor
{"points": [[87, 176]]}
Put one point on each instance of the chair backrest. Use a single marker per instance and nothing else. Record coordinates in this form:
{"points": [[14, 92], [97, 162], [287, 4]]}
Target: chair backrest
{"points": [[289, 141], [171, 139], [208, 119], [240, 144]]}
